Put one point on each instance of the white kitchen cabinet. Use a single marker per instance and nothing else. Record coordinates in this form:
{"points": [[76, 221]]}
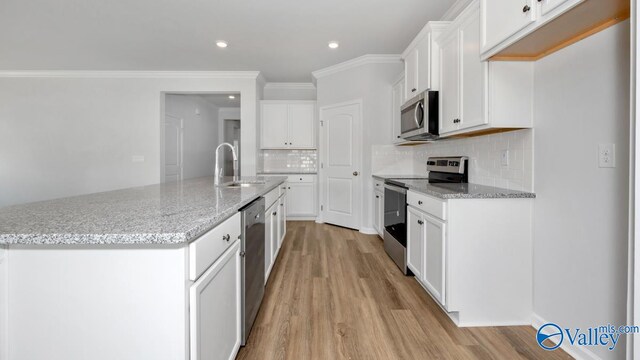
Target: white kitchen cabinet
{"points": [[301, 200], [502, 19], [274, 125], [282, 220], [546, 6], [287, 125], [378, 212], [215, 309], [421, 60], [397, 100], [473, 256], [411, 70], [271, 237], [4, 310], [475, 95], [415, 243], [434, 257]]}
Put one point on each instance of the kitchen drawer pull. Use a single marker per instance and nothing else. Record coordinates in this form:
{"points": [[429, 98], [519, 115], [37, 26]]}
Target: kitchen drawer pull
{"points": [[526, 8], [226, 237]]}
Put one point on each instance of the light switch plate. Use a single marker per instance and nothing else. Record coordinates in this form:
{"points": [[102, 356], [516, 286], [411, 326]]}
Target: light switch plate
{"points": [[504, 158], [607, 155]]}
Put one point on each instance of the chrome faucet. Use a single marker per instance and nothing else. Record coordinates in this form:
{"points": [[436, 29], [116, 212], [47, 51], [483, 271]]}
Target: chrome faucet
{"points": [[218, 170]]}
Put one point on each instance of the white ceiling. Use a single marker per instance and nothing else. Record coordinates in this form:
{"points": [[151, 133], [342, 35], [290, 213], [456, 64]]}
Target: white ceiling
{"points": [[285, 39]]}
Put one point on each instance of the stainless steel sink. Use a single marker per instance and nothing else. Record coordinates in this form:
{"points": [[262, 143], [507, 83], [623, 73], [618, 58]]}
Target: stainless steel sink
{"points": [[241, 184]]}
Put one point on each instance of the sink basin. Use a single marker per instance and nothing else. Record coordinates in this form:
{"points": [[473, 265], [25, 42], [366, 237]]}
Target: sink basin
{"points": [[241, 184]]}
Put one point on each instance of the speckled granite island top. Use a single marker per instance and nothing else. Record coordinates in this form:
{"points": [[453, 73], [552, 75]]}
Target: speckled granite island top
{"points": [[172, 213], [457, 191]]}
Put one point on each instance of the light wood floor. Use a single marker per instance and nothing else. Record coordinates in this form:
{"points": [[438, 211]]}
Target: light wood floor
{"points": [[334, 294]]}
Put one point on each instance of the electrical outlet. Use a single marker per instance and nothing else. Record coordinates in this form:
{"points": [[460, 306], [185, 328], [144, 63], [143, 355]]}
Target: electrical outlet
{"points": [[137, 158], [607, 155], [504, 158]]}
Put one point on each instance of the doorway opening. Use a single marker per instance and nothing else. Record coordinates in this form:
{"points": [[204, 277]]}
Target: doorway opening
{"points": [[194, 124]]}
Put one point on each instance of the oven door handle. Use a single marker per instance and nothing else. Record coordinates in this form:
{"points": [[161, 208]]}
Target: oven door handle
{"points": [[395, 188]]}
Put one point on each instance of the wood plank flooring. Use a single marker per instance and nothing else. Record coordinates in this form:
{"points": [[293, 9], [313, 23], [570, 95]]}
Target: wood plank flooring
{"points": [[334, 294]]}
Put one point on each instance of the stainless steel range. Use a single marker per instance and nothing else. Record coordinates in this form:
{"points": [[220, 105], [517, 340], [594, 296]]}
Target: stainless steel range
{"points": [[441, 170]]}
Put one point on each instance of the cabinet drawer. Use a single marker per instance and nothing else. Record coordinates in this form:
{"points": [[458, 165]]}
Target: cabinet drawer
{"points": [[272, 196], [428, 204], [205, 250], [378, 185], [302, 178]]}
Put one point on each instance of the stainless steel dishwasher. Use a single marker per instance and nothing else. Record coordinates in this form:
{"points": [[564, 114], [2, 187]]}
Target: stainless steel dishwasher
{"points": [[252, 254]]}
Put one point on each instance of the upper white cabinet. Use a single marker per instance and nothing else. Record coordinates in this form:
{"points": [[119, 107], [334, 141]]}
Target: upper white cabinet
{"points": [[421, 60], [531, 29], [287, 124], [502, 19], [397, 100], [477, 95]]}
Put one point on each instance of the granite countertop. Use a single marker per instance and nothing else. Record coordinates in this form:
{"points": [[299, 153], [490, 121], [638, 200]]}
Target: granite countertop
{"points": [[292, 172], [465, 191], [417, 183], [172, 213], [385, 177]]}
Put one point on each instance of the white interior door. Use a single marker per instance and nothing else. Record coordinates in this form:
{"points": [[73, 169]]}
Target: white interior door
{"points": [[173, 129], [341, 172]]}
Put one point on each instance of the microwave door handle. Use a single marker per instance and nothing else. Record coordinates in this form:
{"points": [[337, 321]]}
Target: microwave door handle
{"points": [[415, 115]]}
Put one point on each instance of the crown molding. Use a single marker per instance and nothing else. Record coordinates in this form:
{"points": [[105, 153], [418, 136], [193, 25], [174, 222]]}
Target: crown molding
{"points": [[359, 61], [131, 74], [289, 86], [455, 9], [434, 27]]}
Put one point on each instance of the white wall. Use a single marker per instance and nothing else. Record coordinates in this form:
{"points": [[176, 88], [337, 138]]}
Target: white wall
{"points": [[372, 83], [581, 211], [287, 91], [75, 133], [200, 132]]}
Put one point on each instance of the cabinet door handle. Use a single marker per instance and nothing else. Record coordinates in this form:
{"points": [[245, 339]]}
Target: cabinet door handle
{"points": [[377, 196], [226, 237], [420, 222], [526, 8], [419, 202], [274, 213], [413, 90]]}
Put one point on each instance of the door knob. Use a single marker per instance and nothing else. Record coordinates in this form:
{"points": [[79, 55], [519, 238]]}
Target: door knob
{"points": [[355, 173]]}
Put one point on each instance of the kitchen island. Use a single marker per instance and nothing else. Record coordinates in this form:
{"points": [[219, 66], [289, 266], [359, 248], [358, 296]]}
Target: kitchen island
{"points": [[151, 272]]}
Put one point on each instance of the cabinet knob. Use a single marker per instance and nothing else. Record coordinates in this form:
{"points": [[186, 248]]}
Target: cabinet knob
{"points": [[398, 136], [526, 8], [419, 202], [413, 90], [377, 196], [355, 173], [420, 222], [226, 237], [274, 213]]}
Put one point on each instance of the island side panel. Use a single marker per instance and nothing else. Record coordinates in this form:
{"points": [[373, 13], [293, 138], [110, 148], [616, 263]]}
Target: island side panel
{"points": [[490, 261], [98, 303], [4, 309]]}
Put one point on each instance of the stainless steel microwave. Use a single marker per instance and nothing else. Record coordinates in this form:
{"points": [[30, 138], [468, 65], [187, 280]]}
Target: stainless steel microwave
{"points": [[419, 117]]}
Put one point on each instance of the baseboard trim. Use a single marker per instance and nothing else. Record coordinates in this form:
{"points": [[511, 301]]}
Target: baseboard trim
{"points": [[368, 231], [577, 352], [302, 218]]}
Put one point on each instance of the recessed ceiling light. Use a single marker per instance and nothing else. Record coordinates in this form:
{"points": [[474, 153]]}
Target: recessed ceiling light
{"points": [[222, 44], [333, 44], [232, 97]]}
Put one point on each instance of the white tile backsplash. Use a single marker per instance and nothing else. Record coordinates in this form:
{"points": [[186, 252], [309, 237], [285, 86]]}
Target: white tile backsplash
{"points": [[484, 152], [288, 161]]}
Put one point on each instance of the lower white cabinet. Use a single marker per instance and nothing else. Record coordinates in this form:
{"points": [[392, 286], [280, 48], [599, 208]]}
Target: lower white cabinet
{"points": [[275, 218], [477, 263], [215, 309], [302, 194], [3, 304], [378, 211]]}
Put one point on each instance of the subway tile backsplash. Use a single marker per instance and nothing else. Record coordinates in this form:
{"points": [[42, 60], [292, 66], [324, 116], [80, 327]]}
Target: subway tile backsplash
{"points": [[288, 161], [484, 152]]}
